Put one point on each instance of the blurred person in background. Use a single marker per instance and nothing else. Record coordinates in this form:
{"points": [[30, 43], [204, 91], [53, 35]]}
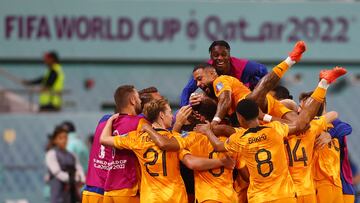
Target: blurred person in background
{"points": [[356, 179], [65, 171], [52, 83], [76, 145], [248, 72]]}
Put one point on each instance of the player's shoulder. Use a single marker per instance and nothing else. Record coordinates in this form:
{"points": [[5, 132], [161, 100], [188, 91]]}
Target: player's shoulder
{"points": [[275, 124], [104, 118], [225, 78]]}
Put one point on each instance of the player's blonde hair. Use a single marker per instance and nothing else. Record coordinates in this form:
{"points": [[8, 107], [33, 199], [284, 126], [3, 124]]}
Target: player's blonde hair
{"points": [[153, 108]]}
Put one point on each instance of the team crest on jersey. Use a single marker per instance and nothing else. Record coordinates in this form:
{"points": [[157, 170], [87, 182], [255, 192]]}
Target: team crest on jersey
{"points": [[184, 133], [219, 86]]}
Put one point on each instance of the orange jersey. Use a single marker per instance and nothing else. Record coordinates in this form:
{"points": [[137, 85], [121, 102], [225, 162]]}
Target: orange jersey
{"points": [[241, 182], [326, 167], [239, 91], [263, 150], [214, 184], [300, 151], [161, 180], [228, 83]]}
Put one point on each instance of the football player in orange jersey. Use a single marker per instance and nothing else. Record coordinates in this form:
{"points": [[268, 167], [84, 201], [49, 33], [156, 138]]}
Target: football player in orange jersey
{"points": [[230, 90], [326, 167], [300, 150], [161, 180]]}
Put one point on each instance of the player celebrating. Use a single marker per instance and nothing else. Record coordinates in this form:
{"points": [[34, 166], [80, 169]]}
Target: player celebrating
{"points": [[161, 180], [230, 90]]}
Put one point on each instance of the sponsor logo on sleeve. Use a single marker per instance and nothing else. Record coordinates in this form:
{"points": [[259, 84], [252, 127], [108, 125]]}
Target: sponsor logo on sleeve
{"points": [[219, 86]]}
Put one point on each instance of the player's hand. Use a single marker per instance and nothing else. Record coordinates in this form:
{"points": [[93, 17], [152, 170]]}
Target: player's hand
{"points": [[195, 99], [214, 123], [145, 127], [322, 140], [228, 162], [203, 128], [183, 114]]}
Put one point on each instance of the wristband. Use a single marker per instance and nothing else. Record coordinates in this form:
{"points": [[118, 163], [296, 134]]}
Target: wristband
{"points": [[267, 118], [216, 118]]}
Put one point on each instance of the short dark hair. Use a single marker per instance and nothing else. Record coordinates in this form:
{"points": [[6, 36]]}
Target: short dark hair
{"points": [[151, 89], [305, 95], [206, 108], [58, 129], [69, 126], [54, 55], [145, 95], [282, 92], [153, 108], [203, 66], [121, 96], [219, 43], [248, 109]]}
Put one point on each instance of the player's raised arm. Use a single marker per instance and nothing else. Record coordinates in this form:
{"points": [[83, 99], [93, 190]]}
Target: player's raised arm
{"points": [[223, 107], [312, 104], [206, 130], [106, 137]]}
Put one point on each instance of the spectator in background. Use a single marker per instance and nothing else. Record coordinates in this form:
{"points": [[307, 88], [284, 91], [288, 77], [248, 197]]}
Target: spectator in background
{"points": [[248, 72], [90, 141], [64, 169], [52, 83], [75, 145]]}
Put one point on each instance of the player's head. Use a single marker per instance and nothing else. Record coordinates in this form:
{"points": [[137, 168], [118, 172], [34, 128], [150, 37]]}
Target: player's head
{"points": [[148, 94], [50, 58], [290, 104], [280, 93], [247, 110], [126, 96], [206, 109], [306, 95], [59, 137], [159, 111], [69, 126], [220, 53], [204, 75]]}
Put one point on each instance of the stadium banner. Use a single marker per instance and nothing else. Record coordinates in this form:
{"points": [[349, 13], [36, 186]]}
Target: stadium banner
{"points": [[178, 30]]}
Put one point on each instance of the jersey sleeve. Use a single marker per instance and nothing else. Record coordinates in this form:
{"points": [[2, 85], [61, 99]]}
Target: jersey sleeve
{"points": [[182, 153], [220, 85], [321, 125], [125, 141]]}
